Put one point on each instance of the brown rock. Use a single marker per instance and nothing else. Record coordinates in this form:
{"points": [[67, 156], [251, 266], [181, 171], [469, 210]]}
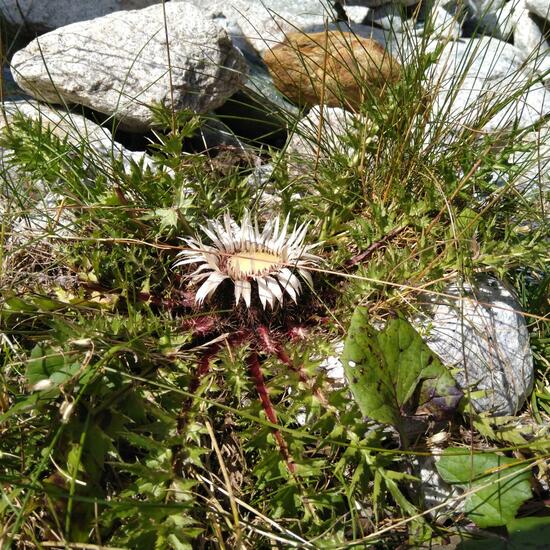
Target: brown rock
{"points": [[338, 69]]}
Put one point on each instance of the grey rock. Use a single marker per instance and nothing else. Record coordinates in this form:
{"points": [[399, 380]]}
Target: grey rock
{"points": [[377, 3], [478, 74], [502, 22], [434, 493], [264, 24], [332, 364], [45, 15], [75, 128], [259, 179], [45, 218], [317, 136], [530, 40], [479, 8], [264, 193], [539, 7], [357, 14], [117, 64], [215, 134], [387, 16], [481, 334], [444, 24]]}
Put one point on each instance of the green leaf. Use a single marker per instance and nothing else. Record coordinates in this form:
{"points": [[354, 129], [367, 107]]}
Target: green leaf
{"points": [[21, 405], [498, 483], [466, 223], [393, 374], [532, 533], [49, 363], [167, 217], [367, 372]]}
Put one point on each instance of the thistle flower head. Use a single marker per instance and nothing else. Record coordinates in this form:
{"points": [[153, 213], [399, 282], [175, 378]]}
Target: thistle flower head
{"points": [[266, 260]]}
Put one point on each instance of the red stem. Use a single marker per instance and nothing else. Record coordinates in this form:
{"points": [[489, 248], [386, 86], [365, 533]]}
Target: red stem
{"points": [[256, 374], [271, 346]]}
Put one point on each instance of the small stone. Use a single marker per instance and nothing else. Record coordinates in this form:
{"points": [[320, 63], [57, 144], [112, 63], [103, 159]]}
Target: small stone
{"points": [[481, 333], [41, 385], [321, 130], [357, 14], [440, 498], [334, 68], [118, 64], [333, 366]]}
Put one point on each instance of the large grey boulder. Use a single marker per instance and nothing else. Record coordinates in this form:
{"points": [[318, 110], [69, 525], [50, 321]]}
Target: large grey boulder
{"points": [[530, 38], [539, 7], [483, 82], [118, 64], [480, 332], [377, 3], [45, 15], [264, 24], [503, 21]]}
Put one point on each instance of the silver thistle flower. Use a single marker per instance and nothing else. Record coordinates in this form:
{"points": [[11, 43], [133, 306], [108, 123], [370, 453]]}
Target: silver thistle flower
{"points": [[245, 255]]}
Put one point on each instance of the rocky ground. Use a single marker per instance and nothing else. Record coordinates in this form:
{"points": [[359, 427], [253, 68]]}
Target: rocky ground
{"points": [[116, 63], [220, 59]]}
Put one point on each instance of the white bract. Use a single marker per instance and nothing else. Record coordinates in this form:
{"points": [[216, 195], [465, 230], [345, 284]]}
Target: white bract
{"points": [[245, 256]]}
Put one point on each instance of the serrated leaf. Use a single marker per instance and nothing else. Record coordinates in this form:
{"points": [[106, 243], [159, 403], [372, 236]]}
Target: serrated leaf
{"points": [[499, 484], [504, 429], [393, 374], [167, 217]]}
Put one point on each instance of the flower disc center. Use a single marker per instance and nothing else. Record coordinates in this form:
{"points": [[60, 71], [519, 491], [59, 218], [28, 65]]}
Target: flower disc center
{"points": [[247, 263]]}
